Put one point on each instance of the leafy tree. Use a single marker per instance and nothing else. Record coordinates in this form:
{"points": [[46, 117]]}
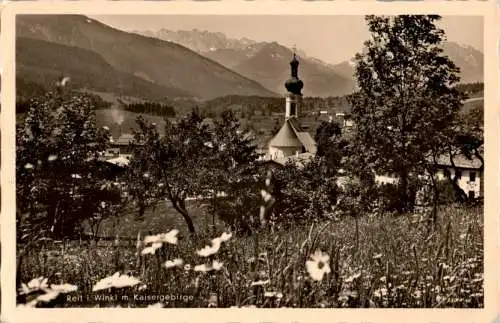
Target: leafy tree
{"points": [[467, 140], [175, 166], [58, 172], [233, 172], [330, 144], [406, 100]]}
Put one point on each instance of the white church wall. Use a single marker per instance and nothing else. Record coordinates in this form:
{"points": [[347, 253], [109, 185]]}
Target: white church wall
{"points": [[282, 152]]}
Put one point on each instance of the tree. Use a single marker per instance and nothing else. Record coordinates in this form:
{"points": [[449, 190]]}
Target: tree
{"points": [[233, 172], [58, 172], [330, 144], [175, 166], [406, 101], [466, 139]]}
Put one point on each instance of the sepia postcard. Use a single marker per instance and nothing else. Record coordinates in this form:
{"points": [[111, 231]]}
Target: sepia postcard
{"points": [[249, 161]]}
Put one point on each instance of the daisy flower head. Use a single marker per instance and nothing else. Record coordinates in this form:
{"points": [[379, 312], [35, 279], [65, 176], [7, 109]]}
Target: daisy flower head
{"points": [[151, 250], [205, 268], [116, 280], [169, 237], [225, 236], [318, 265], [210, 250], [35, 284], [64, 288], [178, 262]]}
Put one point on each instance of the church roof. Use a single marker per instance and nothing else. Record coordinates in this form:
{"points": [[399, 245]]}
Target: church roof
{"points": [[308, 141], [291, 134], [286, 137]]}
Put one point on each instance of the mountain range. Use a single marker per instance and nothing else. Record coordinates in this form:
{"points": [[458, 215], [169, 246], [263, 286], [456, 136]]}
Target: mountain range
{"points": [[177, 65], [129, 58], [267, 62]]}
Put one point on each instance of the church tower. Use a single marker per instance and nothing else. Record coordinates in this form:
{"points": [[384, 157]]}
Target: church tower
{"points": [[291, 140], [294, 90]]}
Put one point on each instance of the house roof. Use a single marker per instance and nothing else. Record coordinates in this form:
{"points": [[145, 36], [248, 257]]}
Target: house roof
{"points": [[124, 140], [460, 161], [120, 161]]}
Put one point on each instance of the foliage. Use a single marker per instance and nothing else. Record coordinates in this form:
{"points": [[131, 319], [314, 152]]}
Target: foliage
{"points": [[58, 172], [233, 172], [173, 166], [192, 160], [406, 101]]}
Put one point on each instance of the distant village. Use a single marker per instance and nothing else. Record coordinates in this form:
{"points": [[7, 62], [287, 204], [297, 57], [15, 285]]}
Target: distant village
{"points": [[295, 141]]}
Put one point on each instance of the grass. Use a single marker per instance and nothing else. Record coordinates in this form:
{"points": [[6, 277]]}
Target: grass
{"points": [[396, 262]]}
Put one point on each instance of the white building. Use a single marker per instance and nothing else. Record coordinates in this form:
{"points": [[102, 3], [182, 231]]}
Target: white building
{"points": [[292, 140]]}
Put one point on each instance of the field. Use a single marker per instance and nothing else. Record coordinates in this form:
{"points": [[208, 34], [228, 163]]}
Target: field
{"points": [[376, 261]]}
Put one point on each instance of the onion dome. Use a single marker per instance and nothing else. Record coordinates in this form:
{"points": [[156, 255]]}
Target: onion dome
{"points": [[294, 84]]}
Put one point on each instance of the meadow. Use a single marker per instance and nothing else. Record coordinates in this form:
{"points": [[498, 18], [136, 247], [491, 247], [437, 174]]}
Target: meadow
{"points": [[370, 261]]}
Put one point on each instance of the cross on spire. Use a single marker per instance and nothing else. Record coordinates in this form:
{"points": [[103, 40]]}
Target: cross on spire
{"points": [[294, 48]]}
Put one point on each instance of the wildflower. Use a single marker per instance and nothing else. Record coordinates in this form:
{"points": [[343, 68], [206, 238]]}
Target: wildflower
{"points": [[117, 280], [380, 292], [273, 294], [174, 263], [152, 249], [462, 236], [351, 278], [170, 237], [52, 158], [260, 282], [51, 295], [217, 265], [106, 128], [377, 256], [64, 288], [225, 236], [210, 250], [263, 256], [204, 268], [318, 266], [35, 284], [28, 166], [76, 176], [212, 301]]}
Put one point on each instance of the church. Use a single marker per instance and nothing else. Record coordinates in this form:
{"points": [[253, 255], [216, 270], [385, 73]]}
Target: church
{"points": [[292, 142]]}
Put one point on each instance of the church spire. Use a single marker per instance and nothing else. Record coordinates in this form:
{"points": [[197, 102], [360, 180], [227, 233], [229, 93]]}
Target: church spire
{"points": [[294, 84], [294, 64]]}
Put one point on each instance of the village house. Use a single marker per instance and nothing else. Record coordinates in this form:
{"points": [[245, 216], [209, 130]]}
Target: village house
{"points": [[468, 172]]}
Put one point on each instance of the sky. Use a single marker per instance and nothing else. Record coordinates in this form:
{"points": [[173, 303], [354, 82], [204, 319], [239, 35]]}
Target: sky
{"points": [[332, 39]]}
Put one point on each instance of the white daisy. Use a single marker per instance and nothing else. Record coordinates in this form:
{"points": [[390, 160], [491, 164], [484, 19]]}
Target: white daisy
{"points": [[318, 266], [178, 262]]}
